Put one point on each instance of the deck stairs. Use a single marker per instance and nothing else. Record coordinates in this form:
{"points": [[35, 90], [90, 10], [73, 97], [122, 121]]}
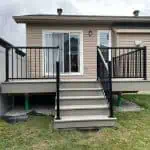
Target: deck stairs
{"points": [[83, 105]]}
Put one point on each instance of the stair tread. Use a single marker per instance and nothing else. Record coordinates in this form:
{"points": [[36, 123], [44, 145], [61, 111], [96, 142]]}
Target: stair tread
{"points": [[84, 118], [70, 107], [80, 89], [82, 97]]}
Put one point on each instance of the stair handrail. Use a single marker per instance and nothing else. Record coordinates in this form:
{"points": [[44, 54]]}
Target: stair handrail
{"points": [[103, 59], [105, 75]]}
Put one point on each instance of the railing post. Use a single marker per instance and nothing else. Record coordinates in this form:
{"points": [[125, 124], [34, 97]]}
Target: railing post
{"points": [[110, 89], [57, 89], [7, 64], [145, 63], [97, 65]]}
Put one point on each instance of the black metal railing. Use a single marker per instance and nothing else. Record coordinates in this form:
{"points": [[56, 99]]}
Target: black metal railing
{"points": [[37, 63], [129, 62], [120, 62], [104, 76]]}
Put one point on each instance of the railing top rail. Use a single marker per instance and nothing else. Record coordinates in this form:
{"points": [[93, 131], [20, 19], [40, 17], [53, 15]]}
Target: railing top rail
{"points": [[34, 47], [129, 53], [121, 47]]}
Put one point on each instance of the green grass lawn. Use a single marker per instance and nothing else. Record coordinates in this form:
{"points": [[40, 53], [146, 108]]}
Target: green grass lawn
{"points": [[132, 133]]}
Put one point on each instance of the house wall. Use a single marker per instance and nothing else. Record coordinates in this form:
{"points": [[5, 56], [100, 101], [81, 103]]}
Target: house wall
{"points": [[2, 64], [34, 38], [128, 40]]}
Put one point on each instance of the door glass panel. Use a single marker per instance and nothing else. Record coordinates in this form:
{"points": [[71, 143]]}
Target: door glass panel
{"points": [[69, 52], [104, 39], [74, 49], [58, 40], [48, 54], [104, 42], [53, 40], [66, 52]]}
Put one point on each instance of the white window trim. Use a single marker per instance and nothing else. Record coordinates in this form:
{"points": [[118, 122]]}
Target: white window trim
{"points": [[81, 49], [110, 42]]}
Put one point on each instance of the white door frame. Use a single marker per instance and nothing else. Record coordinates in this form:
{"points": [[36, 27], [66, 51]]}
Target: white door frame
{"points": [[81, 70]]}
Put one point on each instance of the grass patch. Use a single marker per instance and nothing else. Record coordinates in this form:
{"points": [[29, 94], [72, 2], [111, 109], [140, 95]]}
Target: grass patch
{"points": [[132, 132]]}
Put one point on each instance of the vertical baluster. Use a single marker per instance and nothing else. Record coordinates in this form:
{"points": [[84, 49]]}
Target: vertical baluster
{"points": [[17, 65], [26, 61], [140, 63], [12, 71], [123, 64], [35, 60], [131, 64], [53, 61], [113, 62], [145, 63], [136, 63], [138, 67], [39, 64], [119, 65], [44, 51], [30, 63], [127, 54], [21, 67], [7, 64], [48, 62]]}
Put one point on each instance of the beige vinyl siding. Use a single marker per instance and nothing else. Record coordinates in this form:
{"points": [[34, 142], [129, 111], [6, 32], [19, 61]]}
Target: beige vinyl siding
{"points": [[34, 38], [128, 40]]}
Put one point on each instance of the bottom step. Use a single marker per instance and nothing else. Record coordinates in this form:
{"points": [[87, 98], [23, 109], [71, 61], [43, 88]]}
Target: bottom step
{"points": [[84, 122]]}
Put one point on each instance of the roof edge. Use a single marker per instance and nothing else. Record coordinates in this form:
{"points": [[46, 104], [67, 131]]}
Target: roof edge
{"points": [[79, 19]]}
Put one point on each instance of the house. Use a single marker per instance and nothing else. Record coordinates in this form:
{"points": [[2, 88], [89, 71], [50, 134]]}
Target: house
{"points": [[5, 103], [84, 60]]}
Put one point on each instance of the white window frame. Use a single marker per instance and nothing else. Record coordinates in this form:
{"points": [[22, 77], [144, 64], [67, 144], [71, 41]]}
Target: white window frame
{"points": [[81, 71], [110, 42]]}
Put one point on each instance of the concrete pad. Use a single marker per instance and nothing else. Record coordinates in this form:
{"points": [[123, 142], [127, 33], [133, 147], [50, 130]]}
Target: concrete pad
{"points": [[127, 106], [17, 111], [44, 110]]}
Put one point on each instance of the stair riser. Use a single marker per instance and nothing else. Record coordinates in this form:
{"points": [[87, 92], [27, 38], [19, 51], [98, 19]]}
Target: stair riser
{"points": [[82, 93], [80, 85], [84, 112], [85, 124], [82, 102]]}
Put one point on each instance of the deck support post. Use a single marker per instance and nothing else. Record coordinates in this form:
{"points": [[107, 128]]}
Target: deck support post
{"points": [[27, 102], [119, 99]]}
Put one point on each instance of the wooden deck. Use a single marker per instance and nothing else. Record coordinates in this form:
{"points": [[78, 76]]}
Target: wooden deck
{"points": [[130, 84], [48, 86]]}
